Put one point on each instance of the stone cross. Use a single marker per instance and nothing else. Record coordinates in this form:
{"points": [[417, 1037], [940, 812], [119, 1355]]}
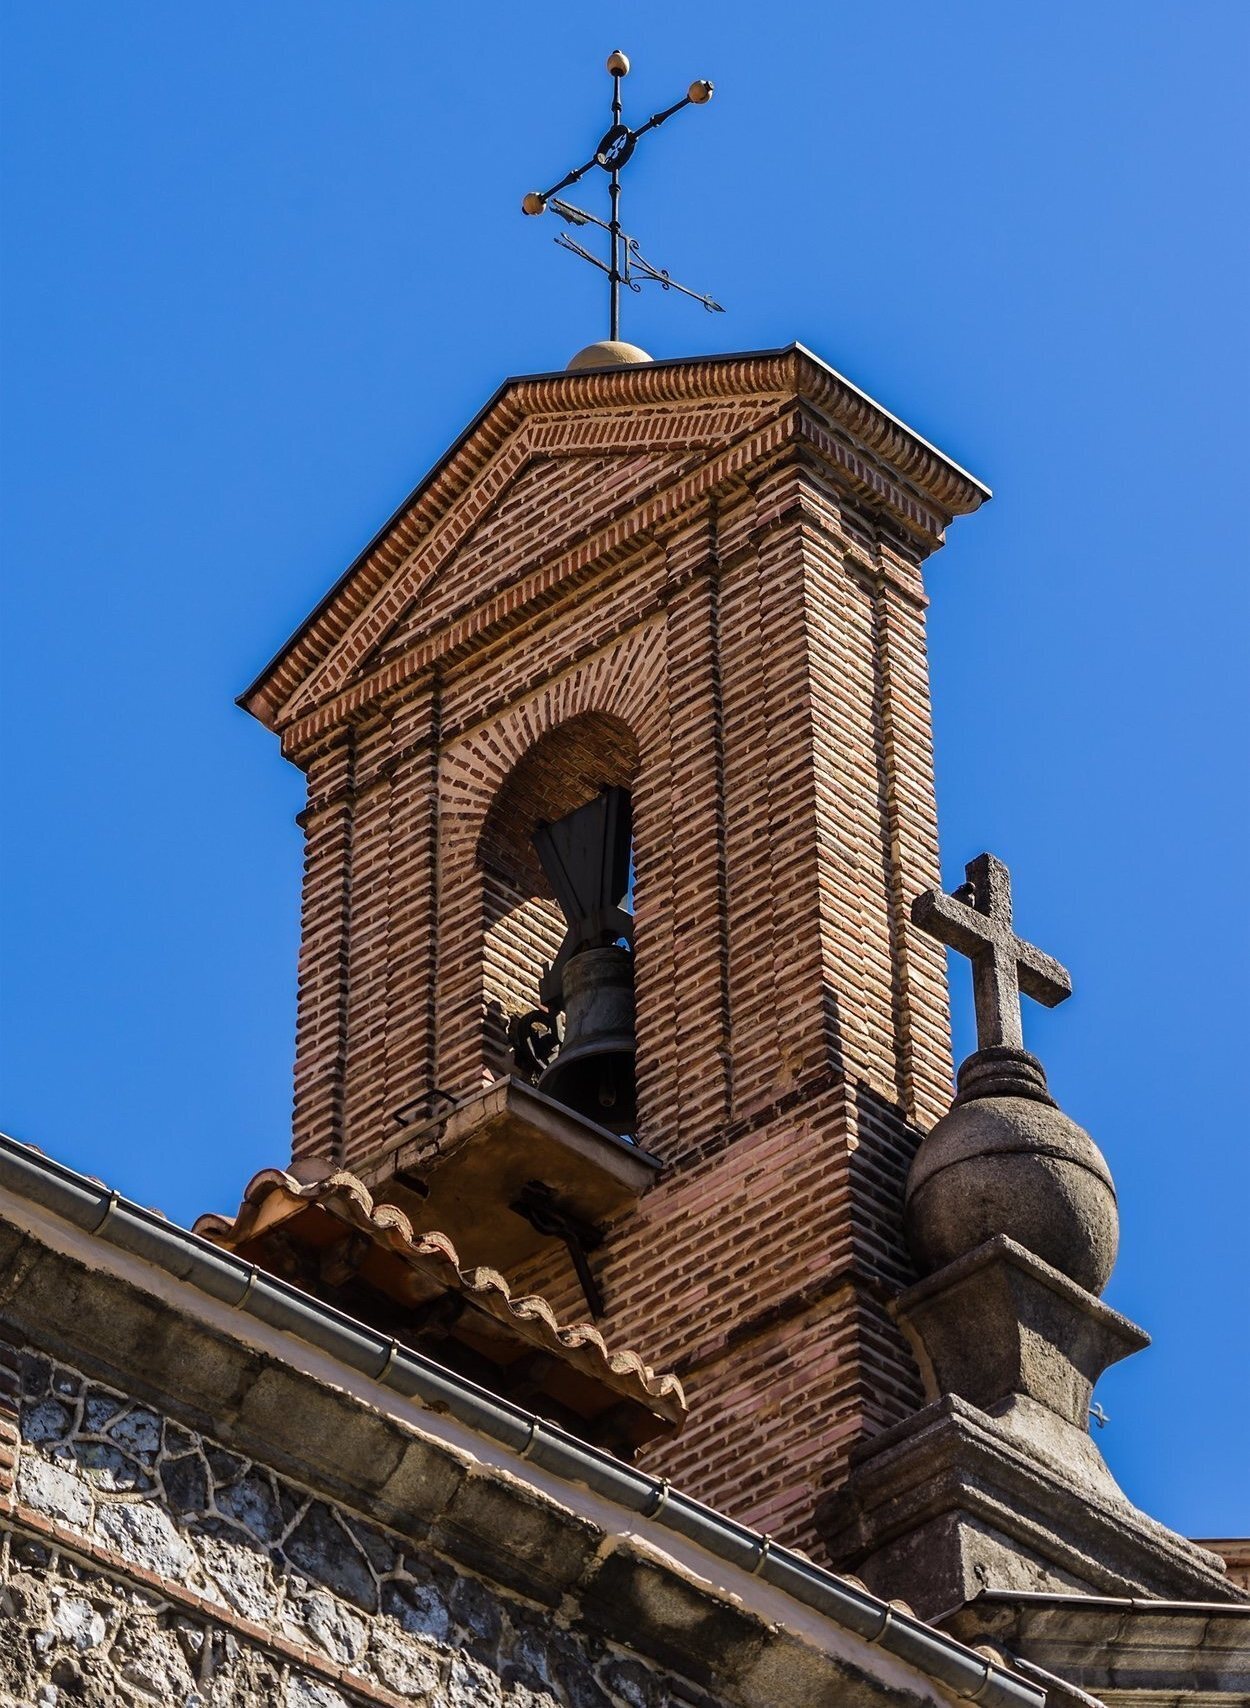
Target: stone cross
{"points": [[976, 920]]}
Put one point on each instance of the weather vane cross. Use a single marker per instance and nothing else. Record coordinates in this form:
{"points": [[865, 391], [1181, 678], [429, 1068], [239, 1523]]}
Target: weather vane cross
{"points": [[626, 264]]}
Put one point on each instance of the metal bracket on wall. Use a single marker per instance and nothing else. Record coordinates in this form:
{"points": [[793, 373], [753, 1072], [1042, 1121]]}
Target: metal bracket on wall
{"points": [[540, 1208]]}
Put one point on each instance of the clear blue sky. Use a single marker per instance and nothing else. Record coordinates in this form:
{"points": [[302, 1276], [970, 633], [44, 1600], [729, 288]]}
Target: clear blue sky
{"points": [[262, 263]]}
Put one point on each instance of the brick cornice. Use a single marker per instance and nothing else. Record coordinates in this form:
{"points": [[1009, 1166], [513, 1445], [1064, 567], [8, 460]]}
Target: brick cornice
{"points": [[664, 405]]}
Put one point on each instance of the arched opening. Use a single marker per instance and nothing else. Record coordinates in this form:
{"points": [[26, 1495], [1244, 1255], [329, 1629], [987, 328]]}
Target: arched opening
{"points": [[522, 923]]}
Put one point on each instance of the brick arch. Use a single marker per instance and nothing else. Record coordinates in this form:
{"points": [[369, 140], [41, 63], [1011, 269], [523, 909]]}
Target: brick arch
{"points": [[522, 925], [625, 680], [601, 721], [562, 771]]}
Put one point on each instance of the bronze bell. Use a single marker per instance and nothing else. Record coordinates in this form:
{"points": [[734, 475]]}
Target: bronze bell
{"points": [[594, 1071]]}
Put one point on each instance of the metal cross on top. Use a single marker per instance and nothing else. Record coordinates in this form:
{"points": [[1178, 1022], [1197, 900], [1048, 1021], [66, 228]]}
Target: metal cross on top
{"points": [[976, 920], [626, 264]]}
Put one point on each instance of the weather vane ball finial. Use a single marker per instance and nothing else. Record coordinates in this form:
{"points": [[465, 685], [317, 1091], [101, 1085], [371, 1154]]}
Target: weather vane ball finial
{"points": [[627, 265]]}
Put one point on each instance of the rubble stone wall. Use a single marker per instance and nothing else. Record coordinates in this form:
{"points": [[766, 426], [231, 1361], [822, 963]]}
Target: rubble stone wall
{"points": [[143, 1563]]}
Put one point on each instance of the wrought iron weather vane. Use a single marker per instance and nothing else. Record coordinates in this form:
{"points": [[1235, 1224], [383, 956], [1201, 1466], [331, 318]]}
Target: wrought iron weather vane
{"points": [[626, 264]]}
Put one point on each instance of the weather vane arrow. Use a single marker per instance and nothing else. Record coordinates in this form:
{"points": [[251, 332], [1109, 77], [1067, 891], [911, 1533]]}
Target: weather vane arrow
{"points": [[627, 265]]}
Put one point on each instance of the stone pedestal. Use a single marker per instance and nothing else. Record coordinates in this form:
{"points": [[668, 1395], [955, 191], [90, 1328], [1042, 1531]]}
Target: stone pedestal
{"points": [[997, 1483], [1015, 1337]]}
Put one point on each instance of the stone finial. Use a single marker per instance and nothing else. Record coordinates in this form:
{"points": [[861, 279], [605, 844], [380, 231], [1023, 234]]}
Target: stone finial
{"points": [[1006, 1160], [976, 920], [1010, 1216]]}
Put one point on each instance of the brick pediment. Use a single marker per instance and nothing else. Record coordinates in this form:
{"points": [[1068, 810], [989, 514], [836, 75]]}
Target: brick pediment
{"points": [[564, 473], [556, 504], [561, 494]]}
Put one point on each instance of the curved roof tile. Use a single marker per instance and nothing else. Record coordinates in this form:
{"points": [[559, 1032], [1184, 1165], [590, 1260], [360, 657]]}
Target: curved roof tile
{"points": [[273, 1197]]}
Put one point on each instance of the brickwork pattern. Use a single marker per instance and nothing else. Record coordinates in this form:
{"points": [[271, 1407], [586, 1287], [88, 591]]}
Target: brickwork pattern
{"points": [[140, 1562], [806, 878], [730, 585], [760, 1274]]}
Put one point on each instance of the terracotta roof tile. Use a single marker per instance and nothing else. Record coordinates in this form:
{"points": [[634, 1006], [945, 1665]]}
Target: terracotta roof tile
{"points": [[423, 1267]]}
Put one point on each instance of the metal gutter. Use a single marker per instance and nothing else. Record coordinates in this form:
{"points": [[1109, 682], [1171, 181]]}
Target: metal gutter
{"points": [[1027, 1599], [84, 1202]]}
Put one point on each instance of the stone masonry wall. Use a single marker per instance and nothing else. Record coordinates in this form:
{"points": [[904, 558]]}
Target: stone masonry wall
{"points": [[141, 1563]]}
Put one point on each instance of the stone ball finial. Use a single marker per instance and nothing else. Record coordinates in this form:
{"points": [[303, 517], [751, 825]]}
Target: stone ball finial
{"points": [[1007, 1160], [610, 353]]}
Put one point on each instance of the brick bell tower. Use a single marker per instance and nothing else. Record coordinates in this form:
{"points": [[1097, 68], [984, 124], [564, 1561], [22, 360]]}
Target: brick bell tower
{"points": [[697, 581]]}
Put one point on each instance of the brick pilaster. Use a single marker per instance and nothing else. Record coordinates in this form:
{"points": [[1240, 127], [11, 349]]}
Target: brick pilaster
{"points": [[696, 868], [410, 1039], [922, 1013], [322, 999]]}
